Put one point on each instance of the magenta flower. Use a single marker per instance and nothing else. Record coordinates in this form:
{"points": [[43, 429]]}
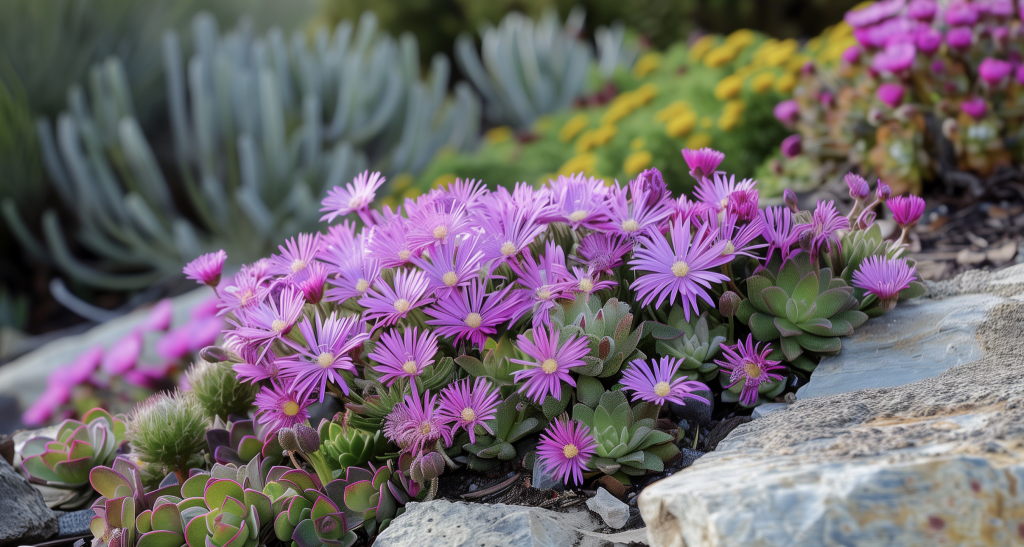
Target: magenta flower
{"points": [[895, 58], [737, 237], [80, 370], [859, 188], [603, 252], [353, 275], [960, 37], [1019, 74], [175, 344], [433, 225], [471, 314], [124, 355], [890, 94], [551, 363], [540, 284], [467, 408], [389, 243], [507, 232], [994, 71], [632, 216], [356, 196], [787, 112], [43, 408], [882, 191], [884, 278], [296, 254], [975, 107], [279, 407], [311, 282], [922, 10], [851, 55], [159, 317], [254, 367], [791, 146], [564, 449], [386, 305], [580, 200], [653, 383], [961, 13], [452, 264], [469, 192], [906, 211], [825, 225], [270, 320], [324, 355], [749, 363], [405, 355], [207, 268], [702, 162], [246, 292], [927, 40], [415, 425], [743, 205], [874, 13], [716, 193], [681, 269], [587, 281], [781, 232]]}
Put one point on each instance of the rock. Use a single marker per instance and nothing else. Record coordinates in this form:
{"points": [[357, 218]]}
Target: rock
{"points": [[937, 461], [75, 523], [766, 409], [720, 431], [26, 519], [695, 412], [1003, 253], [542, 480], [613, 512], [967, 257]]}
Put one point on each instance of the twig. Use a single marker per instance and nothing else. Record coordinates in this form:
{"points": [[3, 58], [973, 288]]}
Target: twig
{"points": [[492, 489]]}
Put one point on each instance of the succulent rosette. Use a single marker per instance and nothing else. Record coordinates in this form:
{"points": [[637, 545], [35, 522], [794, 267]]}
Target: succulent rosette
{"points": [[79, 446]]}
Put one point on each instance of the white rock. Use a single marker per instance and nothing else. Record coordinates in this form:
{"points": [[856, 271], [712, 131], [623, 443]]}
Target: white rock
{"points": [[613, 512], [767, 408]]}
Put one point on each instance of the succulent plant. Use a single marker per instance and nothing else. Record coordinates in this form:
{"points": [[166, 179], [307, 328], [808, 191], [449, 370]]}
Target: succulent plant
{"points": [[230, 516], [858, 245], [375, 496], [609, 329], [79, 446], [218, 390], [169, 431], [692, 342], [345, 446], [241, 441], [800, 309], [122, 497], [262, 127], [627, 443], [314, 523], [496, 365], [514, 421]]}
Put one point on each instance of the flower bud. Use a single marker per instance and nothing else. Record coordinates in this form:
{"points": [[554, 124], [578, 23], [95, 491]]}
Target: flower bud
{"points": [[214, 354], [427, 467], [866, 220], [792, 146], [790, 197], [859, 188], [289, 441], [308, 439], [729, 303], [882, 192]]}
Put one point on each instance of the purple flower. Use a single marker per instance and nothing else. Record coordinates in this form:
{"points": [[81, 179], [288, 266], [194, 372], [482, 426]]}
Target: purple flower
{"points": [[737, 236], [603, 252], [296, 254], [994, 71], [434, 224], [702, 162], [354, 271], [78, 371], [159, 317], [356, 196], [540, 283], [581, 200], [387, 305], [471, 314], [895, 58], [1019, 74], [927, 40], [851, 55], [882, 191], [792, 146], [452, 264], [124, 355], [507, 233], [1000, 8], [587, 281], [279, 407], [254, 367], [270, 320], [468, 408], [743, 205], [247, 290], [469, 192], [324, 355], [781, 232], [922, 10], [691, 210], [633, 216], [653, 383], [961, 13], [565, 448], [787, 112], [652, 181], [825, 224], [975, 107], [175, 344], [311, 282], [890, 94], [551, 362], [859, 188], [404, 356], [415, 425], [884, 278], [716, 193], [749, 363], [874, 13], [207, 268], [388, 243], [906, 211], [680, 269], [959, 37]]}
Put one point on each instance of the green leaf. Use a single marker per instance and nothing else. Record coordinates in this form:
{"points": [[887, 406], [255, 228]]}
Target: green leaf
{"points": [[819, 344], [218, 490], [763, 327], [788, 277], [786, 328], [820, 327], [196, 532], [553, 406], [915, 290], [807, 289], [166, 517], [653, 463], [161, 538], [776, 299], [854, 317], [472, 365], [526, 427], [105, 481], [745, 310], [755, 286], [791, 348], [831, 302], [661, 331], [583, 414], [804, 363], [194, 486]]}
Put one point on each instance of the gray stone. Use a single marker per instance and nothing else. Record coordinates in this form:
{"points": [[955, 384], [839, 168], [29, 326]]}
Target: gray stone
{"points": [[24, 517], [767, 408], [543, 480], [613, 512], [937, 461], [695, 412], [75, 523]]}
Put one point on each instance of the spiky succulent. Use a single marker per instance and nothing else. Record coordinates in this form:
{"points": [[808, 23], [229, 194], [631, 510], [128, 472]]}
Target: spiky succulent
{"points": [[240, 441], [608, 328], [216, 386], [695, 343], [345, 446], [375, 496], [169, 430], [66, 460], [627, 442], [516, 418]]}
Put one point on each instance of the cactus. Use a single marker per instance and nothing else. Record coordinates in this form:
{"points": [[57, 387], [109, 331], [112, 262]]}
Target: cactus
{"points": [[261, 129], [67, 460]]}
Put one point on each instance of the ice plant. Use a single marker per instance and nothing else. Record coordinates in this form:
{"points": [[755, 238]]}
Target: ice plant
{"points": [[467, 407], [702, 162], [325, 355], [825, 224], [654, 383], [415, 424], [564, 449], [550, 364], [747, 364], [296, 255], [355, 197], [405, 355], [452, 264], [715, 193], [884, 278], [541, 281], [207, 268], [386, 304], [631, 214], [472, 315]]}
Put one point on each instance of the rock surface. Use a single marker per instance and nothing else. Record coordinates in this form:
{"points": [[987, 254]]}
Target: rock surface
{"points": [[613, 512], [24, 518], [938, 461]]}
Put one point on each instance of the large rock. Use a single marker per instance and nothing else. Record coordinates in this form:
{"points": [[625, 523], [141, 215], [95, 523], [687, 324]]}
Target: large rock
{"points": [[938, 461], [24, 517]]}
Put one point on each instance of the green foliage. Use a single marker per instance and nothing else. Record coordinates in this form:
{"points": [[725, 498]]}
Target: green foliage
{"points": [[373, 497], [627, 442], [696, 343], [240, 441], [217, 388], [608, 328], [66, 460], [342, 447], [496, 366], [168, 430], [515, 419]]}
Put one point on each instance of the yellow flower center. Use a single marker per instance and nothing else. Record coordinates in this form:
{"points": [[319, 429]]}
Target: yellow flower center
{"points": [[543, 293], [290, 408], [473, 320], [753, 371], [409, 367], [570, 451], [729, 248], [245, 297], [403, 255], [549, 366], [450, 279], [630, 226], [508, 248], [278, 325], [401, 305], [426, 428], [724, 202], [325, 359], [578, 216], [441, 232], [586, 285], [362, 285], [298, 266], [662, 389], [355, 203], [468, 415], [680, 269]]}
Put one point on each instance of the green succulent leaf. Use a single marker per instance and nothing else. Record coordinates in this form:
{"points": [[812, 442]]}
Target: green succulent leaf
{"points": [[763, 327]]}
